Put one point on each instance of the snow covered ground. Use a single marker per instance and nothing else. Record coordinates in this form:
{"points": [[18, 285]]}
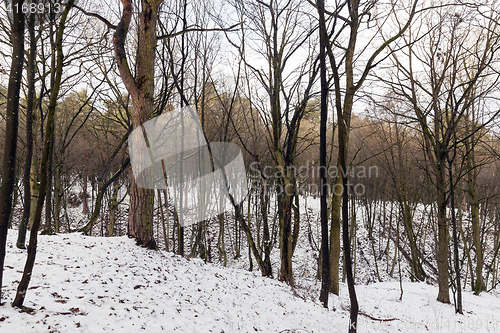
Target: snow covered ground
{"points": [[91, 284]]}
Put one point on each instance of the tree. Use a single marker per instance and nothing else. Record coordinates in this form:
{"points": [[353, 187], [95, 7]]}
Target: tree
{"points": [[21, 237], [141, 89], [44, 170], [396, 139], [283, 28], [350, 26], [10, 144], [458, 54]]}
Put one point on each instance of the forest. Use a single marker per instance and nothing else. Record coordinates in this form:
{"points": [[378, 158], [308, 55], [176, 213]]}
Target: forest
{"points": [[367, 135]]}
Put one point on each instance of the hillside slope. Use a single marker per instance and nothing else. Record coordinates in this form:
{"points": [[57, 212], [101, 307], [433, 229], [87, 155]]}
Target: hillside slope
{"points": [[90, 284]]}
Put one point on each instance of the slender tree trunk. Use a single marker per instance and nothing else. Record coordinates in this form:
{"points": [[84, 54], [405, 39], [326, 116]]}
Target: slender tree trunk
{"points": [[44, 167], [296, 222], [458, 305], [344, 122], [162, 216], [335, 235], [442, 246], [166, 227], [11, 129], [113, 207], [21, 236], [325, 248], [87, 229], [85, 209], [266, 237], [285, 235], [416, 266], [47, 228], [58, 203], [220, 241], [478, 284]]}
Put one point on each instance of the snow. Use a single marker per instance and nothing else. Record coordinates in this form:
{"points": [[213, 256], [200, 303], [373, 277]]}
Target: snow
{"points": [[93, 284]]}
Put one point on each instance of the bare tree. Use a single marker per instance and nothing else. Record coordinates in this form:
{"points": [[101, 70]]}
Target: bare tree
{"points": [[332, 30], [441, 98], [10, 145], [44, 170]]}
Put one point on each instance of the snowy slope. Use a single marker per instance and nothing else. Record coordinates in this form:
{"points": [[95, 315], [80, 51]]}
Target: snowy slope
{"points": [[89, 284]]}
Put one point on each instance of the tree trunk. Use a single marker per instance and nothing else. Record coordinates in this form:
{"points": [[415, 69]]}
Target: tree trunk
{"points": [[335, 236], [325, 248], [416, 266], [87, 229], [220, 241], [442, 246], [140, 221], [141, 89], [85, 209], [478, 284], [44, 167], [296, 222], [47, 228], [58, 203], [266, 236], [11, 128], [21, 236], [458, 305], [113, 207]]}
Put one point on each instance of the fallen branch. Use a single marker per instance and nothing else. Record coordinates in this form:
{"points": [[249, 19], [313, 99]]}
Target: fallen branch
{"points": [[377, 319]]}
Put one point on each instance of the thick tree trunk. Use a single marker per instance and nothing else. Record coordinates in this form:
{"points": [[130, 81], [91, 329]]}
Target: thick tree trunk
{"points": [[11, 128], [140, 219], [442, 246], [141, 89]]}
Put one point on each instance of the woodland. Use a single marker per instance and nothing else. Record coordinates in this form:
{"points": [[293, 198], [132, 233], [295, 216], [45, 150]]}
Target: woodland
{"points": [[382, 115]]}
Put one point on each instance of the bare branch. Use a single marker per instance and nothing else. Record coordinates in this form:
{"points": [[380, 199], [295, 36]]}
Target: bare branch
{"points": [[197, 29]]}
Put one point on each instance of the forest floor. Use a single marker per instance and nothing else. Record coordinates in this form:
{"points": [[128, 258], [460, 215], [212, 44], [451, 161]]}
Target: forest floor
{"points": [[95, 284]]}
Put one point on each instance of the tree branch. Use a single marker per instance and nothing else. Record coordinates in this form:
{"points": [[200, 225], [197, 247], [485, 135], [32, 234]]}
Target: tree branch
{"points": [[198, 30], [109, 24]]}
